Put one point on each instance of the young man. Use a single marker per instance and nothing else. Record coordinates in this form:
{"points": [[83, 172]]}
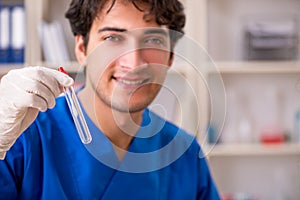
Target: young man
{"points": [[126, 47]]}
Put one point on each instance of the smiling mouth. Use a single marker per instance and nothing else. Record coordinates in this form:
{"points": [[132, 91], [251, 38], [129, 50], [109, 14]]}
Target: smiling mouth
{"points": [[130, 83]]}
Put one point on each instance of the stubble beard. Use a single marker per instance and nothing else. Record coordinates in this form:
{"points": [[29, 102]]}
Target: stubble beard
{"points": [[119, 103]]}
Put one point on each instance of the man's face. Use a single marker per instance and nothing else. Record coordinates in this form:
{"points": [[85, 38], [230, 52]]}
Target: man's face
{"points": [[127, 58]]}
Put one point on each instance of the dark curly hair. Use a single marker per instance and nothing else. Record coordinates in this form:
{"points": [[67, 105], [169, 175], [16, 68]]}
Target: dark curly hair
{"points": [[82, 13]]}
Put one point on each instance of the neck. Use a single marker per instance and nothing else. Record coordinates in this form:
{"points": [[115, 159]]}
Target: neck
{"points": [[119, 127]]}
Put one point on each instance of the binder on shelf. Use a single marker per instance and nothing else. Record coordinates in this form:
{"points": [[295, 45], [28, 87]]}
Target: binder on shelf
{"points": [[4, 34], [53, 42], [17, 34], [12, 34]]}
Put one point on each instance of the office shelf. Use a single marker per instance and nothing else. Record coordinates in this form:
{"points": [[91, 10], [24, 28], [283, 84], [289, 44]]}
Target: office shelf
{"points": [[280, 149], [256, 67]]}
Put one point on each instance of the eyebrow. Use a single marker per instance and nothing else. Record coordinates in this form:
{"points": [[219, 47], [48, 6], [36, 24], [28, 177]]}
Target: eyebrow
{"points": [[148, 31], [156, 31], [111, 29]]}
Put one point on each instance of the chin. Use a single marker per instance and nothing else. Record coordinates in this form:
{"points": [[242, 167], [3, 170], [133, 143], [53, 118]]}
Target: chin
{"points": [[133, 108]]}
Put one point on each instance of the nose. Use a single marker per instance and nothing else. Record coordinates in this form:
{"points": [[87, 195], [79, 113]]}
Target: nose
{"points": [[131, 59]]}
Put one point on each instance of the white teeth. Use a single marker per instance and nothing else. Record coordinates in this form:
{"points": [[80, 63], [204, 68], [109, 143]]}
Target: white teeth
{"points": [[129, 82]]}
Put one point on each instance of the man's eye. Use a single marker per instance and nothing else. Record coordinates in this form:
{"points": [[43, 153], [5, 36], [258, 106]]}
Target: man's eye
{"points": [[155, 41], [114, 38]]}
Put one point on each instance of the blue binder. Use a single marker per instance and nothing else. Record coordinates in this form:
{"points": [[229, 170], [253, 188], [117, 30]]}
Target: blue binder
{"points": [[17, 40], [4, 34]]}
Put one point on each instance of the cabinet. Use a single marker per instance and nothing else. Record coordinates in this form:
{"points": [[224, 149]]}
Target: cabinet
{"points": [[47, 11], [36, 12], [261, 100], [244, 163]]}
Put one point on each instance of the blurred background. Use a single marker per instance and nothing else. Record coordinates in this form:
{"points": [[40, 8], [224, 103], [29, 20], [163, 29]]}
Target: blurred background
{"points": [[252, 142]]}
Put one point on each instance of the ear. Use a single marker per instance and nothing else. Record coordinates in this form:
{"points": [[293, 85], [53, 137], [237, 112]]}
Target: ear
{"points": [[80, 50]]}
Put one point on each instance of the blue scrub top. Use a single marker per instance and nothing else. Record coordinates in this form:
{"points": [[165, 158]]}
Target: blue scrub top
{"points": [[48, 161]]}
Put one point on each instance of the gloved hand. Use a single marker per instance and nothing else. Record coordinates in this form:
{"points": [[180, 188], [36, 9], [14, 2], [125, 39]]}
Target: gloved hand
{"points": [[23, 93]]}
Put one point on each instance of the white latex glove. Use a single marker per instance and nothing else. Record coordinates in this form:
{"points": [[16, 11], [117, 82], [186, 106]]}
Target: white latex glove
{"points": [[23, 93]]}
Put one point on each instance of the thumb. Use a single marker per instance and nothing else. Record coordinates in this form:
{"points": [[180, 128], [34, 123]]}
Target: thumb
{"points": [[62, 78]]}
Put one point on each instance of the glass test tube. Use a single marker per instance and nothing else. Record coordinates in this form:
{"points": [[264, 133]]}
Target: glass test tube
{"points": [[75, 109]]}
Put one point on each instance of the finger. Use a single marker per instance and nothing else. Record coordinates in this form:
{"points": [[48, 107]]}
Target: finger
{"points": [[39, 75], [25, 86], [62, 78], [22, 98], [34, 101]]}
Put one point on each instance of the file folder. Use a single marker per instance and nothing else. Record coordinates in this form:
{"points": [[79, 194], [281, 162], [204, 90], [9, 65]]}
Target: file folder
{"points": [[4, 34]]}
